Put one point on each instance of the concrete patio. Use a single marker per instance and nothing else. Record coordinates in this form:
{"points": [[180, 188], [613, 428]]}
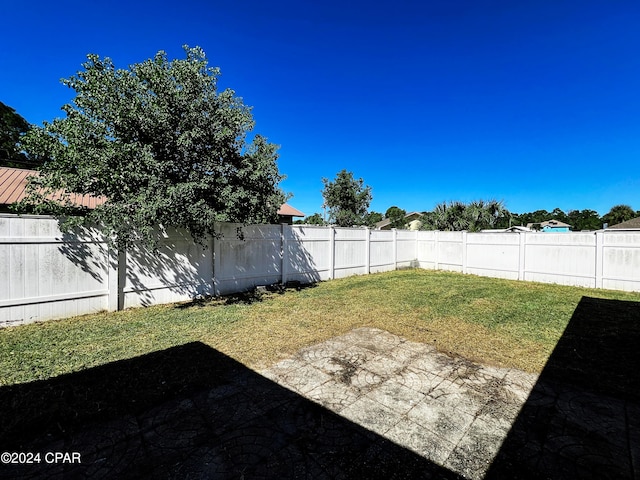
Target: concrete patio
{"points": [[367, 404], [449, 410], [461, 415]]}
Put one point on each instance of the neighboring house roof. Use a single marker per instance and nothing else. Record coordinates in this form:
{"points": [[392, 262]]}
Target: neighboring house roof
{"points": [[629, 224], [514, 228], [409, 217], [287, 210], [13, 183], [550, 224]]}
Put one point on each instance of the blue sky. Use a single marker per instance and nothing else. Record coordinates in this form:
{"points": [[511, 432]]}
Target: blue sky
{"points": [[533, 102]]}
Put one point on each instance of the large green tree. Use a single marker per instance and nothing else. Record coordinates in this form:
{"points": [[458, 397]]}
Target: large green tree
{"points": [[12, 128], [619, 214], [584, 220], [397, 217], [315, 219], [532, 217], [372, 218], [162, 145], [348, 199]]}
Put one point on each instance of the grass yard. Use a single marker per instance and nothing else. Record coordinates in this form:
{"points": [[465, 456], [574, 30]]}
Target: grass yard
{"points": [[506, 323]]}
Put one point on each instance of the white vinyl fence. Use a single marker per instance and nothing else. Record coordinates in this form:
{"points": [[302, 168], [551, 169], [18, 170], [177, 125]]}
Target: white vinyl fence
{"points": [[45, 274]]}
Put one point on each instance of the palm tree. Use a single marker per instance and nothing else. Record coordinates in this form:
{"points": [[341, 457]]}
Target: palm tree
{"points": [[473, 217], [619, 214], [495, 211]]}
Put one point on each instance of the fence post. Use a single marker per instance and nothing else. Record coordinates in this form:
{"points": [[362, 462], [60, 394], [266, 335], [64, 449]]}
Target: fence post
{"points": [[395, 248], [284, 254], [122, 277], [416, 263], [116, 277], [215, 253], [435, 250], [599, 259], [464, 252], [113, 278], [367, 232], [521, 251], [332, 251]]}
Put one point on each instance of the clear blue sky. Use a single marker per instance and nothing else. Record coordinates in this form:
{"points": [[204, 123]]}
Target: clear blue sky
{"points": [[534, 102]]}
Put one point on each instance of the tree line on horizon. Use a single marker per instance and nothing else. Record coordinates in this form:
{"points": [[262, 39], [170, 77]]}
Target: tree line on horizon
{"points": [[483, 215], [348, 199]]}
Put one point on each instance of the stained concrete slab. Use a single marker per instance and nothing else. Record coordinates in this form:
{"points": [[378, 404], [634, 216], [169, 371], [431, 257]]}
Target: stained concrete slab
{"points": [[458, 414], [452, 411], [367, 404]]}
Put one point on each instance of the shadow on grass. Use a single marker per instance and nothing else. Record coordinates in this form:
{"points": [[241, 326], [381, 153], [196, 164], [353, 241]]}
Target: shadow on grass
{"points": [[190, 412], [582, 418], [246, 298]]}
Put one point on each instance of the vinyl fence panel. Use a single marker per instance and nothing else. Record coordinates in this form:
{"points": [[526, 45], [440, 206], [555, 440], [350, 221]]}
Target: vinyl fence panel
{"points": [[562, 258], [449, 251], [350, 252], [426, 249], [621, 261], [308, 253], [179, 270], [406, 249], [45, 274], [382, 251], [493, 255], [246, 257]]}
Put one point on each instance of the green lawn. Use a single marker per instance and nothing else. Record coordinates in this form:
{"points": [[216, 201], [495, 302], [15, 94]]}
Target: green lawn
{"points": [[507, 323]]}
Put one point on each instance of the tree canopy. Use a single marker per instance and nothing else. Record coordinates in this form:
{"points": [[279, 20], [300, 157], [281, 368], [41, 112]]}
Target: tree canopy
{"points": [[584, 220], [473, 217], [12, 128], [372, 218], [348, 199], [619, 214], [162, 145], [315, 219], [579, 219], [396, 216]]}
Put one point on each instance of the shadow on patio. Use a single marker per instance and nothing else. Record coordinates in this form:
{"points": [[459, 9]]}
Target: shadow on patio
{"points": [[582, 418], [190, 412]]}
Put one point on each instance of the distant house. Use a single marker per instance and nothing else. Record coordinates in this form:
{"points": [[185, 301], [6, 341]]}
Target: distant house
{"points": [[13, 184], [412, 222], [513, 229], [286, 213], [550, 226], [632, 224]]}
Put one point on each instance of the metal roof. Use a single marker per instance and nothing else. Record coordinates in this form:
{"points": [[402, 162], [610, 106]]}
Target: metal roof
{"points": [[13, 183]]}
